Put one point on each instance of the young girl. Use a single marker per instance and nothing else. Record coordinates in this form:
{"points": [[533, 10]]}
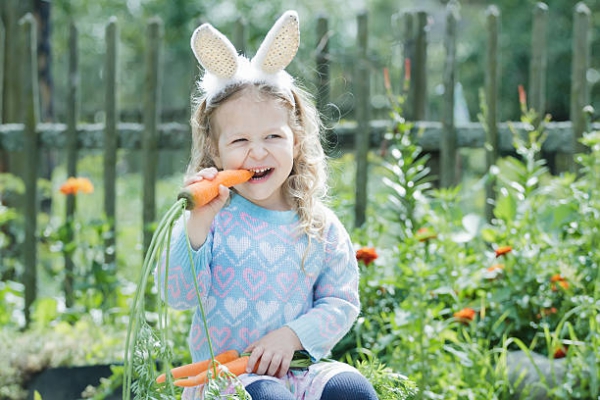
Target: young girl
{"points": [[275, 268]]}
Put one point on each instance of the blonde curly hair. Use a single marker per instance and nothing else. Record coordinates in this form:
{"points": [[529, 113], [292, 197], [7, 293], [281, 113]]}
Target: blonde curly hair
{"points": [[306, 187]]}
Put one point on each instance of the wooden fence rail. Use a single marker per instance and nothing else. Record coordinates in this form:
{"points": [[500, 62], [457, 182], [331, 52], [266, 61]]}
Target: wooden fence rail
{"points": [[442, 137]]}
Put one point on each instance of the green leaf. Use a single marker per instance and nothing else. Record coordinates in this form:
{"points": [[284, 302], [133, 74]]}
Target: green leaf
{"points": [[506, 208]]}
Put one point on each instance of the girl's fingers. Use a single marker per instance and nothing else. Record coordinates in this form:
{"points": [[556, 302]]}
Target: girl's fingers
{"points": [[274, 365], [256, 355], [207, 173]]}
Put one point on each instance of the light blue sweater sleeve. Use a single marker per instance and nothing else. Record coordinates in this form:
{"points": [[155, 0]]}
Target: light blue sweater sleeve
{"points": [[179, 289], [336, 303]]}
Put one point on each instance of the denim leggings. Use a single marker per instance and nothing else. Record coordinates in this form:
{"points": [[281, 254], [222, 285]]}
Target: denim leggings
{"points": [[343, 386]]}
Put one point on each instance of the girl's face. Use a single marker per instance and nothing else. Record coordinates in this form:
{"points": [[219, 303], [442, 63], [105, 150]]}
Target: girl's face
{"points": [[254, 134]]}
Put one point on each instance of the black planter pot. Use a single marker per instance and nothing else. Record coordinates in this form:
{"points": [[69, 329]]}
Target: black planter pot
{"points": [[67, 383]]}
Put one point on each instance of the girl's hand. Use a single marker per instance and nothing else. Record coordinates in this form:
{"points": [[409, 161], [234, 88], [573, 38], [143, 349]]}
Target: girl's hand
{"points": [[201, 217], [272, 354]]}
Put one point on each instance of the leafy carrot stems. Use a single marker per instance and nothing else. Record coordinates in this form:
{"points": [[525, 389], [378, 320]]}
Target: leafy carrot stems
{"points": [[200, 193]]}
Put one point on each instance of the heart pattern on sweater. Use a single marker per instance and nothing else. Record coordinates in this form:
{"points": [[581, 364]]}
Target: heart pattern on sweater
{"points": [[238, 245], [235, 307], [272, 253], [266, 309]]}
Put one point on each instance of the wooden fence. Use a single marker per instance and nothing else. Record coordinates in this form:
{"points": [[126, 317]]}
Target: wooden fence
{"points": [[442, 137]]}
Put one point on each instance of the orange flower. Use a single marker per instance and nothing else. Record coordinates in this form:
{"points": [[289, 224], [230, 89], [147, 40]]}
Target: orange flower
{"points": [[495, 268], [502, 250], [75, 185], [560, 352], [424, 234], [366, 255], [465, 315], [493, 271], [557, 280]]}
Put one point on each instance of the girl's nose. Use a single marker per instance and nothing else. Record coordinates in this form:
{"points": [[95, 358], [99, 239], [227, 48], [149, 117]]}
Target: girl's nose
{"points": [[258, 151]]}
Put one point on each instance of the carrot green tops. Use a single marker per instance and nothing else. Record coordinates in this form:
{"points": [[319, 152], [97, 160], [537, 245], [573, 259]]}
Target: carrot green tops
{"points": [[252, 281]]}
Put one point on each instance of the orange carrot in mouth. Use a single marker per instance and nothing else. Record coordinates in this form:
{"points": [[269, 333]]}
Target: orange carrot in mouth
{"points": [[200, 193], [198, 367], [236, 367]]}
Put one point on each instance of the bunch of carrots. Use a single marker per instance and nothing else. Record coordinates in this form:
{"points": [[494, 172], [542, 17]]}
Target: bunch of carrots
{"points": [[231, 361], [190, 197], [198, 373]]}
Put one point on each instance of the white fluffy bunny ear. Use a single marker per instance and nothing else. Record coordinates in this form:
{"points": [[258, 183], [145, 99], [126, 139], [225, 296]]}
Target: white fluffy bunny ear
{"points": [[214, 52], [280, 45]]}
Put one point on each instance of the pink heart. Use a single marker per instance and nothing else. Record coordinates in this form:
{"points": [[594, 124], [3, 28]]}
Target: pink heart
{"points": [[324, 291], [220, 336], [287, 281], [247, 336], [223, 276], [254, 279]]}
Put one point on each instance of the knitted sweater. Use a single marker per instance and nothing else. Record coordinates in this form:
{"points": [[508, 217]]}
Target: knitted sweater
{"points": [[251, 280]]}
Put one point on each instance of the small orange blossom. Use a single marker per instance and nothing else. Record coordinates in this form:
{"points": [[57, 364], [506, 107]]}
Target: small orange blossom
{"points": [[560, 352], [502, 250], [465, 315], [424, 234], [557, 280], [75, 185], [366, 255]]}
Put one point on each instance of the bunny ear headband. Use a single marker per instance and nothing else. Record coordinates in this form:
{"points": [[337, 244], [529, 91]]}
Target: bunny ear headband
{"points": [[223, 67]]}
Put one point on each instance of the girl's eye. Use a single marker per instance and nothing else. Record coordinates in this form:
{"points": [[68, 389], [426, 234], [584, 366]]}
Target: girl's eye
{"points": [[273, 136], [238, 140]]}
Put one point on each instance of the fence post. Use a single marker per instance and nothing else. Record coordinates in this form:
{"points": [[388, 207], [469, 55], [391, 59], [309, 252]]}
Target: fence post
{"points": [[406, 21], [110, 141], [151, 121], [363, 131], [491, 100], [580, 96], [71, 153], [30, 117], [240, 39], [448, 154], [419, 70], [322, 61]]}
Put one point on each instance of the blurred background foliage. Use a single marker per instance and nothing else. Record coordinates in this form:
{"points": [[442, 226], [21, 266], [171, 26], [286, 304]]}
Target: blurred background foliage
{"points": [[180, 17]]}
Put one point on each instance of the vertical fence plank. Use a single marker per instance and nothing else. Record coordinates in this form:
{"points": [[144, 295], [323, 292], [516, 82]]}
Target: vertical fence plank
{"points": [[71, 155], [448, 154], [151, 120], [539, 60], [491, 99], [240, 35], [406, 20], [30, 118], [363, 131], [580, 95], [110, 140], [419, 76], [322, 61]]}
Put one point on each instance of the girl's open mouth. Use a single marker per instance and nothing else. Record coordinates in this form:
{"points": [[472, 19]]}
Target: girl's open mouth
{"points": [[261, 173]]}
